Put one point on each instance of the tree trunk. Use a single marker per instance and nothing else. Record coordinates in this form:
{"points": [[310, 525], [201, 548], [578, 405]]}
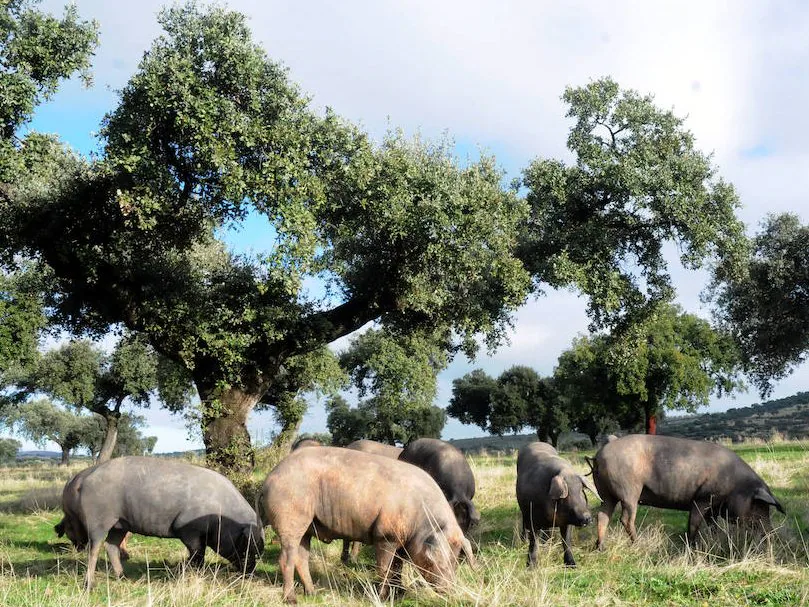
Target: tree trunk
{"points": [[65, 456], [224, 428], [288, 434], [110, 438], [651, 423]]}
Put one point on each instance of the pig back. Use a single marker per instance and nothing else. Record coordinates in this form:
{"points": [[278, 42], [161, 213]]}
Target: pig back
{"points": [[375, 447], [668, 471], [158, 497], [352, 495]]}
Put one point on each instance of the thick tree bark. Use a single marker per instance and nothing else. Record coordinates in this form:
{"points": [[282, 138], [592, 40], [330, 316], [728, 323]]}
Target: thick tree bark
{"points": [[110, 437], [65, 457], [224, 428], [288, 434]]}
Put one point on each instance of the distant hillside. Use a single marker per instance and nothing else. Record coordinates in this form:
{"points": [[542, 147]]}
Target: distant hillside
{"points": [[786, 416]]}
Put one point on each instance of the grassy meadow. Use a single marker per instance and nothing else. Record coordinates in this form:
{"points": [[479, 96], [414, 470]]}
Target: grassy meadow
{"points": [[726, 568]]}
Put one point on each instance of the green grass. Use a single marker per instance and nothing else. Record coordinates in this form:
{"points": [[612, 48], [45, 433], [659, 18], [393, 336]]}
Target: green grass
{"points": [[726, 568]]}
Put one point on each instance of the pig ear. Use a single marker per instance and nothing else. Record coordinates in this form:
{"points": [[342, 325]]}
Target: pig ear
{"points": [[466, 548], [762, 495], [558, 490], [588, 485]]}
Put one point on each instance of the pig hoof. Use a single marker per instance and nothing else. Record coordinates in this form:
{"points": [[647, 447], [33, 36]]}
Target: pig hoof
{"points": [[570, 565]]}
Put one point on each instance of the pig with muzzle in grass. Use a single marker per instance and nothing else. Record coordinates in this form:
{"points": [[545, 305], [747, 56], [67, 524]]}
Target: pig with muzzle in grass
{"points": [[448, 466], [704, 479], [332, 493], [550, 494], [165, 498]]}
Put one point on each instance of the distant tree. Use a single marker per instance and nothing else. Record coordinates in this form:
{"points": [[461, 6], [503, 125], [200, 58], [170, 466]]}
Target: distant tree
{"points": [[397, 372], [586, 388], [130, 439], [344, 423], [519, 397], [42, 420], [764, 300], [673, 360], [471, 400], [670, 361], [81, 375], [8, 449]]}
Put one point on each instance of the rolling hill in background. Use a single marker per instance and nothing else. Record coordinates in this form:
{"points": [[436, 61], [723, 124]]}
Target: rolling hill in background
{"points": [[787, 417]]}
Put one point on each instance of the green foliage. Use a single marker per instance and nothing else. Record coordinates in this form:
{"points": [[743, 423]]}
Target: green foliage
{"points": [[37, 50], [8, 449], [41, 421], [638, 182], [670, 361], [519, 397], [130, 439], [209, 130], [399, 372], [764, 301], [21, 319]]}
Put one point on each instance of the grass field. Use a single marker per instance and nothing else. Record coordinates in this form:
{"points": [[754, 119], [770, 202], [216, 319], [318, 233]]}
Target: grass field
{"points": [[37, 568]]}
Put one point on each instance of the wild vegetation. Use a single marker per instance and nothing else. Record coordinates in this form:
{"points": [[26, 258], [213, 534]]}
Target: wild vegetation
{"points": [[726, 568]]}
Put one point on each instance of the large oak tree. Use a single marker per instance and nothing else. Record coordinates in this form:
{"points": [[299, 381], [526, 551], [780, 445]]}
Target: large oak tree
{"points": [[209, 131]]}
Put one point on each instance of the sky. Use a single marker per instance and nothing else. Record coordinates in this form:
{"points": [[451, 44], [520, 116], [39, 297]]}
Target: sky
{"points": [[491, 74]]}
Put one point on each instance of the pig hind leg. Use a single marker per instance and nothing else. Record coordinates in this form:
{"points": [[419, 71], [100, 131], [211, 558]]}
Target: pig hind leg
{"points": [[195, 543], [114, 540], [302, 564], [604, 515], [629, 510]]}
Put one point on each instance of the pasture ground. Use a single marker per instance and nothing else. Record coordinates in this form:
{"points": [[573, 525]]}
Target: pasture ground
{"points": [[726, 568]]}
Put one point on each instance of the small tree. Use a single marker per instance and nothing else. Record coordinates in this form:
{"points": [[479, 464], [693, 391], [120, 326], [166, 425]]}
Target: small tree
{"points": [[8, 449], [130, 439], [41, 420], [516, 399], [81, 375], [763, 300]]}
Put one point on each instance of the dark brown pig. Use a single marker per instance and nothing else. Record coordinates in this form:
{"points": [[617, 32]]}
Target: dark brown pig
{"points": [[71, 524], [448, 466], [550, 494], [352, 549], [165, 498], [705, 479], [330, 493]]}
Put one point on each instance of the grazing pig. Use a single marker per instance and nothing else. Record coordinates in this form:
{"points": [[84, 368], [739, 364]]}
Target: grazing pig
{"points": [[352, 549], [377, 448], [448, 466], [550, 494], [705, 479], [332, 493], [164, 498], [71, 524]]}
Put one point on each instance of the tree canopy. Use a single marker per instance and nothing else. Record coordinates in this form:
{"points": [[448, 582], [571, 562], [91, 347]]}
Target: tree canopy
{"points": [[519, 397], [398, 374], [209, 131], [638, 182], [41, 421], [764, 301], [82, 376]]}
